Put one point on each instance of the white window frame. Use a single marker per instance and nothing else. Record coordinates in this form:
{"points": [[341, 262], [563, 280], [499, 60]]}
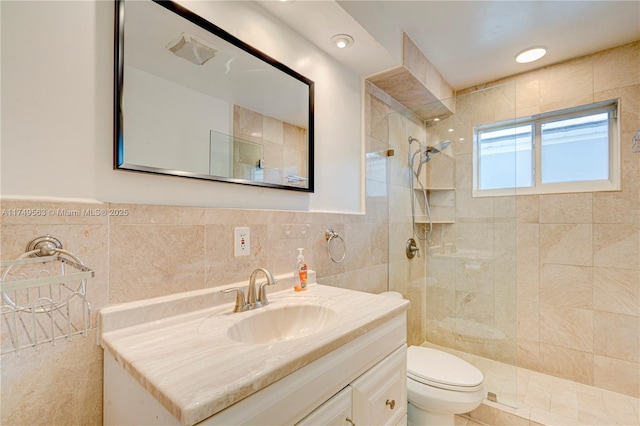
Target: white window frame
{"points": [[610, 184]]}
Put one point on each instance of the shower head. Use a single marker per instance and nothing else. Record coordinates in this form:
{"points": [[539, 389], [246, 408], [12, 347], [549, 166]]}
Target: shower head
{"points": [[438, 148], [429, 150]]}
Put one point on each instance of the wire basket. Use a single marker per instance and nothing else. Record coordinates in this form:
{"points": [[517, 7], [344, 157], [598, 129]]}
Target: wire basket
{"points": [[43, 298]]}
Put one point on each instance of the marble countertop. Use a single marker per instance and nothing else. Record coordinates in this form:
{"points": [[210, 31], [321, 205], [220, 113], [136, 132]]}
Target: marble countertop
{"points": [[191, 366]]}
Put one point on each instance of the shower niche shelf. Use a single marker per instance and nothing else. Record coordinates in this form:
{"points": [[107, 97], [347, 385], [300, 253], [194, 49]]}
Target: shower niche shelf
{"points": [[442, 202]]}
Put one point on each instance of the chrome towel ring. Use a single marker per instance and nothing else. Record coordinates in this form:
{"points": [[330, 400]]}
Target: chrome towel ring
{"points": [[330, 235]]}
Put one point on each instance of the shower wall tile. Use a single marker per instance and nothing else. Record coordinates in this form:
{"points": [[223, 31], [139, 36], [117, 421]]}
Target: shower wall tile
{"points": [[527, 91], [566, 363], [469, 208], [528, 243], [577, 268], [528, 280], [566, 84], [529, 321], [616, 290], [617, 336], [566, 327], [617, 375], [566, 285], [617, 207], [566, 208], [570, 244], [528, 209], [528, 353], [616, 67], [616, 245]]}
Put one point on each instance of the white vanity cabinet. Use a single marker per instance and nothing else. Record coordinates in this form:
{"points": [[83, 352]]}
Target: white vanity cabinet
{"points": [[380, 394], [378, 397], [335, 412]]}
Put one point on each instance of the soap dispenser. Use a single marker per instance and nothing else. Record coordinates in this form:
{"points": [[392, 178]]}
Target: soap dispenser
{"points": [[300, 273]]}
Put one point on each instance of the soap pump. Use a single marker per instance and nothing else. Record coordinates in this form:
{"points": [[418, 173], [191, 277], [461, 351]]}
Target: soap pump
{"points": [[300, 273]]}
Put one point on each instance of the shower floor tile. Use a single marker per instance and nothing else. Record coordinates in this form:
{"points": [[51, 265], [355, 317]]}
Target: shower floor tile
{"points": [[542, 399]]}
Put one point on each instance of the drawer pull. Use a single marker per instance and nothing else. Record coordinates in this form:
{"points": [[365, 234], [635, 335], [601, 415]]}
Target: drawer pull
{"points": [[350, 422], [391, 403]]}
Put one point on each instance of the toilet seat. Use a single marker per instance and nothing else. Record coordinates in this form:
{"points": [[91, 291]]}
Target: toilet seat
{"points": [[442, 370]]}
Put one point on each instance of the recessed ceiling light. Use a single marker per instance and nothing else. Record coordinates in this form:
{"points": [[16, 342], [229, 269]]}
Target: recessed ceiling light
{"points": [[342, 40], [531, 55]]}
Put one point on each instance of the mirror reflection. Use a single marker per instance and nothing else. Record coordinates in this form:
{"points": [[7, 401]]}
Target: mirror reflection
{"points": [[194, 101]]}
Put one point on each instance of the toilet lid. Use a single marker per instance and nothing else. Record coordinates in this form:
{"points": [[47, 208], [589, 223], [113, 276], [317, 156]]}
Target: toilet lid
{"points": [[434, 367]]}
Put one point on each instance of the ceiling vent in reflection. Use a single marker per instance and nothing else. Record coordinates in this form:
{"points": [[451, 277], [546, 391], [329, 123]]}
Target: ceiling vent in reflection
{"points": [[192, 49]]}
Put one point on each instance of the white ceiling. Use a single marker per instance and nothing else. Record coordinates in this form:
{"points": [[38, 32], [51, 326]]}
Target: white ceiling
{"points": [[469, 42]]}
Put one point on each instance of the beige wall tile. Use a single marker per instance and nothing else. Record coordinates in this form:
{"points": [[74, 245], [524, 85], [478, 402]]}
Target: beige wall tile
{"points": [[528, 281], [528, 354], [57, 384], [273, 130], [154, 260], [566, 84], [566, 285], [616, 67], [527, 90], [528, 209], [566, 244], [566, 363], [616, 336], [616, 290], [566, 327], [616, 246], [529, 321], [616, 207], [247, 124], [566, 208], [528, 242], [617, 375]]}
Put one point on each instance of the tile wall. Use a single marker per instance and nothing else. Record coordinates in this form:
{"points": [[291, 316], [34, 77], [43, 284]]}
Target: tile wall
{"points": [[575, 257], [157, 250]]}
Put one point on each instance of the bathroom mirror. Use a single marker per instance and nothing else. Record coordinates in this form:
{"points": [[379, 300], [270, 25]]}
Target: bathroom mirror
{"points": [[192, 100]]}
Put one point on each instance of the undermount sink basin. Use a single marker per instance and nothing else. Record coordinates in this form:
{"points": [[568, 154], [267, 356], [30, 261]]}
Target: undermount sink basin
{"points": [[283, 323]]}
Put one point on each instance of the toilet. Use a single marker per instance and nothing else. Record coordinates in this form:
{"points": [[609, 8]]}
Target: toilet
{"points": [[439, 385]]}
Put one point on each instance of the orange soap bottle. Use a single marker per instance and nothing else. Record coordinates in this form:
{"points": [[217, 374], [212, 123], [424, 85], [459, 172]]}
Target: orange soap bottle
{"points": [[300, 273]]}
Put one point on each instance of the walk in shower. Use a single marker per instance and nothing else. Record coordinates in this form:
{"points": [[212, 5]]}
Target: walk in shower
{"points": [[462, 282]]}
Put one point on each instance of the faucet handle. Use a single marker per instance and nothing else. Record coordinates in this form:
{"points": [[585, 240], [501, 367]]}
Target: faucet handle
{"points": [[241, 304], [262, 293]]}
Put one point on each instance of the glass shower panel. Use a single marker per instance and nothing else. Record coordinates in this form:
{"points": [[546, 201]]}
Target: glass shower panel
{"points": [[463, 287]]}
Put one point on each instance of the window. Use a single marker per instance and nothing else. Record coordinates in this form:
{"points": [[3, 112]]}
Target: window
{"points": [[574, 150]]}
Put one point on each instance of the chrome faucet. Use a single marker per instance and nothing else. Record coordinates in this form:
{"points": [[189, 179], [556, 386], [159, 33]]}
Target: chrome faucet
{"points": [[252, 302]]}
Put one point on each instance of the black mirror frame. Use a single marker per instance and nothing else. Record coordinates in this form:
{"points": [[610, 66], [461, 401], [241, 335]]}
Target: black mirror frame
{"points": [[118, 154]]}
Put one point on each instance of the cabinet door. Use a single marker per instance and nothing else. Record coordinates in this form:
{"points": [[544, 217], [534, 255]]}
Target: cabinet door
{"points": [[380, 394], [335, 412]]}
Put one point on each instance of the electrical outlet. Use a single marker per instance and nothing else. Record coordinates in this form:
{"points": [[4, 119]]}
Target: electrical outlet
{"points": [[242, 242]]}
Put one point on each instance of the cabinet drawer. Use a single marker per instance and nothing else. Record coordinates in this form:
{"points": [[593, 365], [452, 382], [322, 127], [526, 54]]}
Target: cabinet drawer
{"points": [[335, 412], [380, 394]]}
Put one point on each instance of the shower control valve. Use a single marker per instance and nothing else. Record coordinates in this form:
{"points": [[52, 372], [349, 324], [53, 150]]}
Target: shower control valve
{"points": [[412, 248]]}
